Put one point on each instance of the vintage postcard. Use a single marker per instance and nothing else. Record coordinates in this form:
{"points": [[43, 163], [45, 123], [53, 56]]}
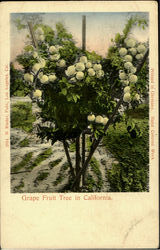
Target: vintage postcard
{"points": [[79, 124]]}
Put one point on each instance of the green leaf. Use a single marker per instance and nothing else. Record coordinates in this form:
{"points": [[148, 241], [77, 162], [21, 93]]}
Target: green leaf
{"points": [[87, 79], [75, 98], [64, 79], [69, 98], [69, 85], [117, 38], [78, 97], [64, 91]]}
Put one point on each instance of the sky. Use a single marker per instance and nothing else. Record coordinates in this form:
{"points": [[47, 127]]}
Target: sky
{"points": [[100, 28]]}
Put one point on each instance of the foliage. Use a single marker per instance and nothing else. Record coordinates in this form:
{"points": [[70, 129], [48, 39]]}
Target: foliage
{"points": [[130, 24], [40, 177], [55, 163], [24, 143], [131, 174], [94, 180], [61, 174], [93, 56], [90, 183], [72, 147], [21, 116], [22, 20], [41, 157], [18, 187], [140, 112], [95, 167], [18, 87], [26, 159]]}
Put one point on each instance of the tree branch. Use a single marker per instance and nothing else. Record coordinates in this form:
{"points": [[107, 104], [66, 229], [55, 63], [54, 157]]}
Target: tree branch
{"points": [[83, 156], [32, 35], [78, 157], [69, 159]]}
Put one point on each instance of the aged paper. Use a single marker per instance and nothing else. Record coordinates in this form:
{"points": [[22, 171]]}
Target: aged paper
{"points": [[72, 220]]}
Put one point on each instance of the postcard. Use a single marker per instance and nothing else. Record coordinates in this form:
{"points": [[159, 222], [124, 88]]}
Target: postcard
{"points": [[79, 124]]}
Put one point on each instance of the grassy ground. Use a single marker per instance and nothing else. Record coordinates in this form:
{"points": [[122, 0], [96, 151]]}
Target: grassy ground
{"points": [[21, 116], [41, 157], [25, 161], [131, 174]]}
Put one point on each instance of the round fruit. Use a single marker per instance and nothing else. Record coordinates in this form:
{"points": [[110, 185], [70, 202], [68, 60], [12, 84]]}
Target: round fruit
{"points": [[127, 97], [97, 67], [100, 73], [141, 48], [127, 89], [123, 51], [88, 65], [125, 82], [35, 54], [128, 58], [139, 56], [28, 77], [105, 120], [36, 67], [53, 49], [70, 70], [55, 57], [91, 72], [122, 75], [44, 79], [133, 51], [83, 59], [132, 70], [136, 97], [80, 75], [73, 79], [130, 43], [80, 66], [133, 78], [99, 119], [52, 78], [37, 93], [128, 65], [62, 63], [91, 118]]}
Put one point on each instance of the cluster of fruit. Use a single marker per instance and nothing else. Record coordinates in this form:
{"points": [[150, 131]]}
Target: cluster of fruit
{"points": [[36, 67], [54, 55], [127, 76], [76, 72], [97, 119]]}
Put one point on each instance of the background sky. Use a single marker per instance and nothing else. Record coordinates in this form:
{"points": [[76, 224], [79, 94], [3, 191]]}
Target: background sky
{"points": [[100, 28]]}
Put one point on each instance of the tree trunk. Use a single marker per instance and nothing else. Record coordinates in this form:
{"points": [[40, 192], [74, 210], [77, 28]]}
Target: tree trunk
{"points": [[78, 161], [83, 33], [68, 159], [83, 157], [32, 35]]}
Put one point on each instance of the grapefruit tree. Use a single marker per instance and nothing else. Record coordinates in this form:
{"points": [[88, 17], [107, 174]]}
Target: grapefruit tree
{"points": [[80, 92]]}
